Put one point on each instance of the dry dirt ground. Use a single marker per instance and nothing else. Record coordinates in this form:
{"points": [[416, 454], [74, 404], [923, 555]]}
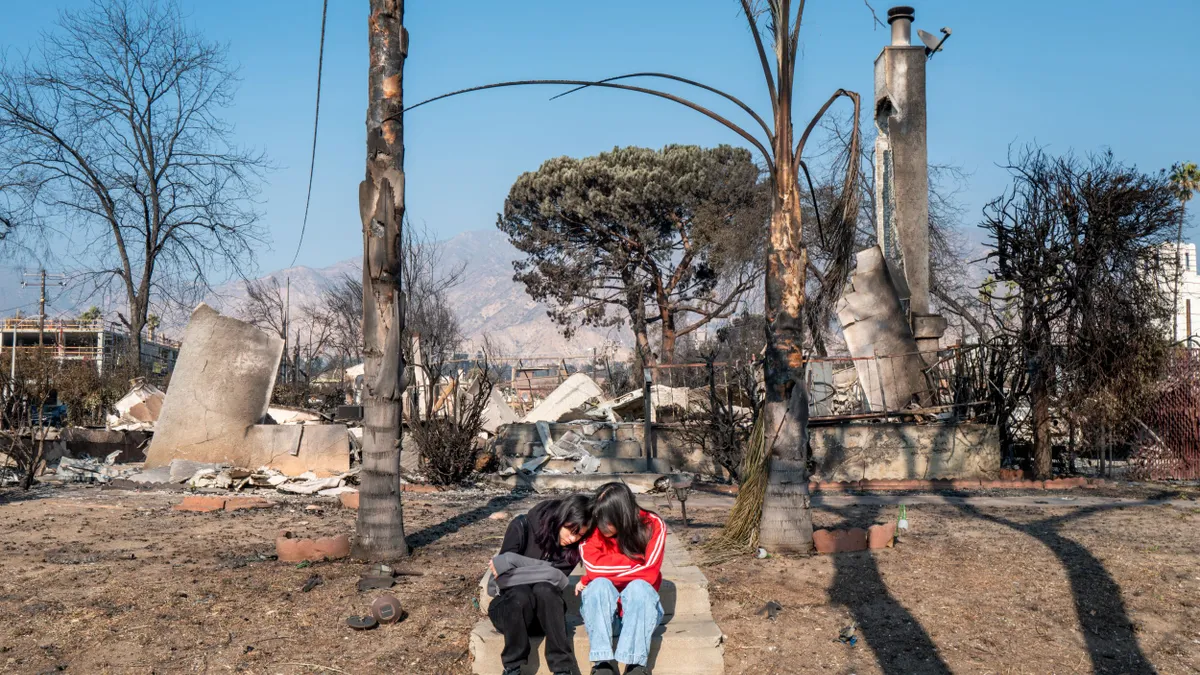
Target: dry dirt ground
{"points": [[1043, 589], [109, 581]]}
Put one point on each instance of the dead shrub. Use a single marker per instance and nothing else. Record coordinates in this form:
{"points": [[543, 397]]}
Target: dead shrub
{"points": [[447, 428], [718, 425]]}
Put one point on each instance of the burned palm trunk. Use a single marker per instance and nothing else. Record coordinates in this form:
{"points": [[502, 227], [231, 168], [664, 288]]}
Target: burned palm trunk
{"points": [[786, 523], [786, 519], [381, 205]]}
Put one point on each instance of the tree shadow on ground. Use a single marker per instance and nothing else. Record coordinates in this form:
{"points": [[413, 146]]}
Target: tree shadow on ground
{"points": [[1107, 631], [15, 494], [427, 535], [901, 645]]}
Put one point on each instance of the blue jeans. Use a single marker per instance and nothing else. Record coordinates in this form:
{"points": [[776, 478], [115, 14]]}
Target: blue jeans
{"points": [[641, 613]]}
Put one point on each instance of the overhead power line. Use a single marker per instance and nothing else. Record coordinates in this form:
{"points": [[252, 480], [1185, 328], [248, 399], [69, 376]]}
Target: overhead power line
{"points": [[312, 163]]}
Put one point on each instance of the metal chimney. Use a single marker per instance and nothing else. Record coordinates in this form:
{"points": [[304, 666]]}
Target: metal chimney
{"points": [[901, 18]]}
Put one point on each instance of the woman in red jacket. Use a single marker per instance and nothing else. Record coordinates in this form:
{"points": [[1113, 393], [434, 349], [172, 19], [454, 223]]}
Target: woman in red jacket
{"points": [[622, 565]]}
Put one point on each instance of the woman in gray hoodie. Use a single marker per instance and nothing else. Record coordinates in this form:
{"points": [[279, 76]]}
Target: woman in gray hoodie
{"points": [[528, 576]]}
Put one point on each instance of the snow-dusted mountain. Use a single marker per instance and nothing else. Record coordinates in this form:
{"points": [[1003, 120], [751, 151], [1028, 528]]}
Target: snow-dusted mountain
{"points": [[488, 302]]}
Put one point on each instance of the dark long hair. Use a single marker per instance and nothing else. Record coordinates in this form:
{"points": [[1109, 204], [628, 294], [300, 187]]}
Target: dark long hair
{"points": [[547, 518], [614, 506]]}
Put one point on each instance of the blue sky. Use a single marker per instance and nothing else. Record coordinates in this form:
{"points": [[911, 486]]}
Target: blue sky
{"points": [[1070, 74]]}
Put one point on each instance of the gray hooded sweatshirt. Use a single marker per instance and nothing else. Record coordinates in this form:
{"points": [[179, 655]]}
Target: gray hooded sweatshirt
{"points": [[514, 569]]}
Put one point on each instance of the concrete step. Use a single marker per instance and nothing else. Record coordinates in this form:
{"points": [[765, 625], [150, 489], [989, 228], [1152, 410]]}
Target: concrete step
{"points": [[575, 482], [684, 594], [607, 464], [680, 647], [687, 643]]}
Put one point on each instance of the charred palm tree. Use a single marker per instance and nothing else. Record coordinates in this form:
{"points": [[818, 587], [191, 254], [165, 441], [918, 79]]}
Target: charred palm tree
{"points": [[380, 532], [785, 524]]}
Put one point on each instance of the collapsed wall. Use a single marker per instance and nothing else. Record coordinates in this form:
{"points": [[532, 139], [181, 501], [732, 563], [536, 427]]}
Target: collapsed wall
{"points": [[218, 397]]}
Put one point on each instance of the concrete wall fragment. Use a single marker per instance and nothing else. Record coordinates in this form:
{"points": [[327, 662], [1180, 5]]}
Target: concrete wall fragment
{"points": [[219, 393], [221, 386], [571, 394], [498, 412], [877, 333]]}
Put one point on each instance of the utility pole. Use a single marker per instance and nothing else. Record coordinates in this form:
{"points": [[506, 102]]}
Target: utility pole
{"points": [[42, 275], [287, 316]]}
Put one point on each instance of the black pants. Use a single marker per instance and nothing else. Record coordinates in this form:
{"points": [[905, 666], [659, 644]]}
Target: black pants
{"points": [[522, 612]]}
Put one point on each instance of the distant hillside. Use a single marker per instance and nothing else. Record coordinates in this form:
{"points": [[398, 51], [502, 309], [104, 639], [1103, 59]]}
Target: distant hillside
{"points": [[488, 302]]}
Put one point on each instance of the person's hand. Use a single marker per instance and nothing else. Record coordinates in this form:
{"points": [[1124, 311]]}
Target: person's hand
{"points": [[492, 568], [579, 587]]}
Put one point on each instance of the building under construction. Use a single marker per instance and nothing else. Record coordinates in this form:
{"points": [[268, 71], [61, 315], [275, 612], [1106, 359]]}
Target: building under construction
{"points": [[99, 342]]}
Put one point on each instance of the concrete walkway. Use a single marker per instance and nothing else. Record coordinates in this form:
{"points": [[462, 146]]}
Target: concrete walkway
{"points": [[688, 642]]}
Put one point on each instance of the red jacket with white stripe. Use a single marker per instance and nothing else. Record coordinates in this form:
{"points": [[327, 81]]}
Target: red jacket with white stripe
{"points": [[602, 557]]}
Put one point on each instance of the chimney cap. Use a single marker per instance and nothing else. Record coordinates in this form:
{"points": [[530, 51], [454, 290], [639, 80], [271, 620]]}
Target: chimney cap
{"points": [[901, 12]]}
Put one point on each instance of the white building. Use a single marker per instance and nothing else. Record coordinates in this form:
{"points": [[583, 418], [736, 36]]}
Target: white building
{"points": [[1187, 307], [96, 342]]}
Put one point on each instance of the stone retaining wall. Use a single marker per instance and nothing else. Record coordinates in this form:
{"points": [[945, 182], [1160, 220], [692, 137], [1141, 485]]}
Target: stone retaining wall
{"points": [[905, 451], [852, 451]]}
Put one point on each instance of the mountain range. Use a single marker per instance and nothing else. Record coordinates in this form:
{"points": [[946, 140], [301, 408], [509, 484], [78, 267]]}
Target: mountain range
{"points": [[487, 302]]}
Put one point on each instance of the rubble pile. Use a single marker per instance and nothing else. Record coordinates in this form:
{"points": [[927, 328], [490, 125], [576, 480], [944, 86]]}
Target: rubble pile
{"points": [[90, 470], [139, 409], [202, 475]]}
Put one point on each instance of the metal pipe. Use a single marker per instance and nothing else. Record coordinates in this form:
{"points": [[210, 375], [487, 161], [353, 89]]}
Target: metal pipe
{"points": [[648, 432], [900, 18]]}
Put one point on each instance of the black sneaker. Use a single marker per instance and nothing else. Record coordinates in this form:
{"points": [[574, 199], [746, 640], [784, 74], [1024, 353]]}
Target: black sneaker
{"points": [[634, 669], [512, 671], [604, 668]]}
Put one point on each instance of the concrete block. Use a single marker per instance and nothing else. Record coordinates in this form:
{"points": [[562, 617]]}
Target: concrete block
{"points": [[290, 448], [498, 412], [928, 326], [221, 386], [265, 443], [324, 448], [677, 648], [874, 325]]}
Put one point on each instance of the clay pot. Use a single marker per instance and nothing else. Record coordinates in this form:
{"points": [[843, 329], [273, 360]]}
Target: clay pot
{"points": [[291, 549]]}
